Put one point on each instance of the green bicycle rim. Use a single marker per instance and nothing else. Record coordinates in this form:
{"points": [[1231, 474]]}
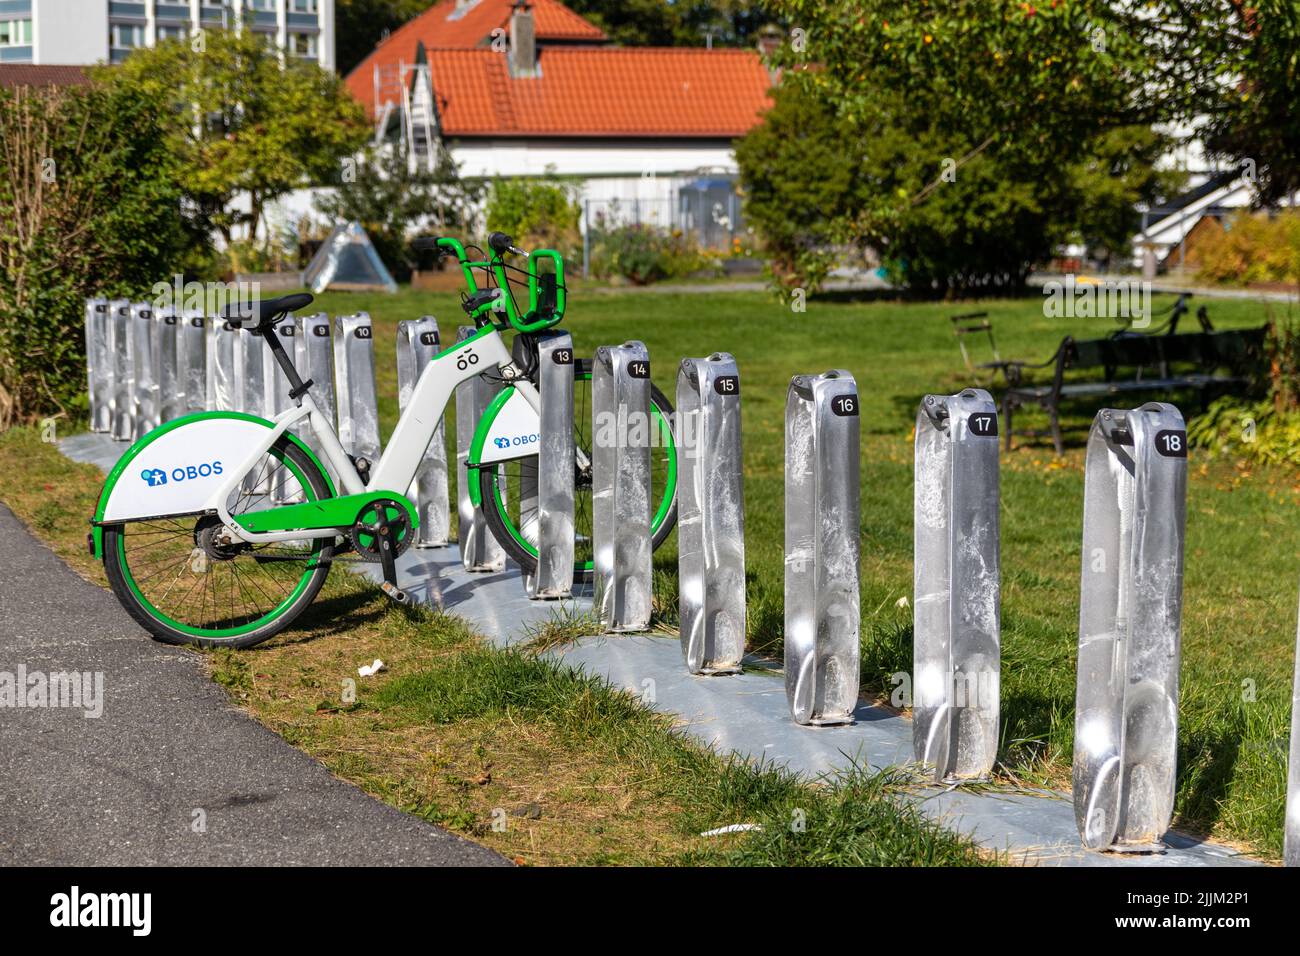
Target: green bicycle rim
{"points": [[670, 489]]}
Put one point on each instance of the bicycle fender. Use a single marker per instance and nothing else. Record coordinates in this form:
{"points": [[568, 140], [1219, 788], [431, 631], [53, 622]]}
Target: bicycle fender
{"points": [[175, 468], [510, 428]]}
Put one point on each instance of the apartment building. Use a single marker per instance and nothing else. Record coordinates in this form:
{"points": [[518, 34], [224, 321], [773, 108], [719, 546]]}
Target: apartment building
{"points": [[81, 32]]}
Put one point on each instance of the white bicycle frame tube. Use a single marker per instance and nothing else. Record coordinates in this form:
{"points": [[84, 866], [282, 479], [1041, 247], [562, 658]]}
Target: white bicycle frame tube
{"points": [[406, 447]]}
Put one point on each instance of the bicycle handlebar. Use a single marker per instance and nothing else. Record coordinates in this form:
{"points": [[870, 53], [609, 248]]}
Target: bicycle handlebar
{"points": [[541, 314]]}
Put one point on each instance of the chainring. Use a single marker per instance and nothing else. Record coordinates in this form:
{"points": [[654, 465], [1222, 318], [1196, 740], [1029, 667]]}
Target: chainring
{"points": [[366, 534]]}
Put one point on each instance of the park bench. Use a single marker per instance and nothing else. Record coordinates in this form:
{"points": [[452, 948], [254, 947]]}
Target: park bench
{"points": [[1204, 362], [978, 324]]}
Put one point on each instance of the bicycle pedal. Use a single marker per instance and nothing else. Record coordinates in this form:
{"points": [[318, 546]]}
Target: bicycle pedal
{"points": [[396, 594]]}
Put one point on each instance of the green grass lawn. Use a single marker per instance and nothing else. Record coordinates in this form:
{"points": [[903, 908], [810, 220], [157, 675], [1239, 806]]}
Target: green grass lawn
{"points": [[1241, 562], [527, 756]]}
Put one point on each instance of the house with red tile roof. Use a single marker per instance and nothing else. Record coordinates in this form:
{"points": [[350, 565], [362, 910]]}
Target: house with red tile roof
{"points": [[14, 75], [526, 87]]}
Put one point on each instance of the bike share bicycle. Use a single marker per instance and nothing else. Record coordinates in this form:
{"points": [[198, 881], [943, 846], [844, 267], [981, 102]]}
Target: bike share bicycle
{"points": [[219, 528]]}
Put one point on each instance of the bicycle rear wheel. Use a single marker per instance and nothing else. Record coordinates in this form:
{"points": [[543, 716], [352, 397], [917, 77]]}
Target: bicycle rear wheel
{"points": [[515, 528], [183, 587]]}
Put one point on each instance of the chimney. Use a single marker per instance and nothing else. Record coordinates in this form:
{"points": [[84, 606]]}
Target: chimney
{"points": [[523, 41], [770, 39]]}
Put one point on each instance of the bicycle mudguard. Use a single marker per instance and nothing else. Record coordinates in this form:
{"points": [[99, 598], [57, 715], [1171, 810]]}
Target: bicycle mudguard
{"points": [[510, 428], [175, 468]]}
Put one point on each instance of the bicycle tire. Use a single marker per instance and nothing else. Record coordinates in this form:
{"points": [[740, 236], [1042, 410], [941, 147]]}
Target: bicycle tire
{"points": [[504, 527]]}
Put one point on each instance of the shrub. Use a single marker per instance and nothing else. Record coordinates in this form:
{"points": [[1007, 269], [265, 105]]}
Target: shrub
{"points": [[643, 254], [813, 202], [1253, 247], [89, 203], [1262, 429], [538, 213], [391, 202]]}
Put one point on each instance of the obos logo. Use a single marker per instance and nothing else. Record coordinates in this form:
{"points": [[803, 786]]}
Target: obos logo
{"points": [[154, 477], [517, 441]]}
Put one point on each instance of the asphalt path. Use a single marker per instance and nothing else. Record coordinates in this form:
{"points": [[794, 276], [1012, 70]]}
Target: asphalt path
{"points": [[169, 772]]}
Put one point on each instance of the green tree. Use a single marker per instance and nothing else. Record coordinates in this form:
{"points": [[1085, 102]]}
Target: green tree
{"points": [[1256, 124], [669, 23], [391, 202], [89, 204], [971, 128], [976, 226], [798, 184], [244, 122], [540, 213]]}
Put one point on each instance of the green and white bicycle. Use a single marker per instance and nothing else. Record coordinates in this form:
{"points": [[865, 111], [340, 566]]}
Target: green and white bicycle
{"points": [[219, 528]]}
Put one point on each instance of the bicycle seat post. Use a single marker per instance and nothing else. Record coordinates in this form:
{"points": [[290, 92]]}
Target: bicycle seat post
{"points": [[297, 387]]}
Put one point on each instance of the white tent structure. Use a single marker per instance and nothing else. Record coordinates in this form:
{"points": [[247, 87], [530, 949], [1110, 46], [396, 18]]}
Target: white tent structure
{"points": [[348, 262]]}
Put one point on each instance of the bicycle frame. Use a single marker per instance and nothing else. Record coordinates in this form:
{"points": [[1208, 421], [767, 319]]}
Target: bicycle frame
{"points": [[233, 445], [401, 458]]}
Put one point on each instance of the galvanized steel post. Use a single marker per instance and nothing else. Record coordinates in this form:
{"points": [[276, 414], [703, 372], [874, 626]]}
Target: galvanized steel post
{"points": [[417, 343], [1130, 618], [192, 361], [250, 394], [710, 515], [547, 495], [354, 376], [123, 411], [821, 548], [171, 388], [479, 550], [314, 358], [957, 599], [99, 365], [146, 370], [223, 356], [620, 498], [276, 400], [250, 375]]}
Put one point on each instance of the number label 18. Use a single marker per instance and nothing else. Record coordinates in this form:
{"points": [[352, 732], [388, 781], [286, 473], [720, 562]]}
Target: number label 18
{"points": [[1171, 443]]}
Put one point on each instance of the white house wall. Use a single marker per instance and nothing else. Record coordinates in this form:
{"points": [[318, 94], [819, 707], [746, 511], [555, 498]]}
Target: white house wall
{"points": [[624, 181], [633, 160]]}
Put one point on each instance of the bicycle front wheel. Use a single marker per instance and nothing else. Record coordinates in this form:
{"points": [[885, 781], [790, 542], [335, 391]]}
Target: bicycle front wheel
{"points": [[515, 527]]}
